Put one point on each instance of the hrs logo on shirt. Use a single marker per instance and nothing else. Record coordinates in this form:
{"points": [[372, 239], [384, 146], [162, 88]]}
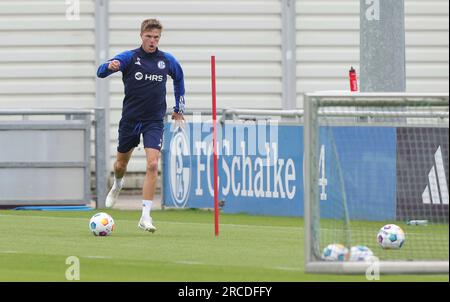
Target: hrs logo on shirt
{"points": [[148, 77]]}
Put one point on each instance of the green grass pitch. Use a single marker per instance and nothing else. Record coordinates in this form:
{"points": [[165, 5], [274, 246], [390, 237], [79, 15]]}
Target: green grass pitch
{"points": [[34, 246]]}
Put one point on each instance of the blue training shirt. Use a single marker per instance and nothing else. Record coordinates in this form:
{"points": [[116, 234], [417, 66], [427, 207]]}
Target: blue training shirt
{"points": [[144, 76]]}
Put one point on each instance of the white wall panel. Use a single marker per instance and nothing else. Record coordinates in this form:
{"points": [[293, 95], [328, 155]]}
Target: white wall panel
{"points": [[328, 44], [46, 60]]}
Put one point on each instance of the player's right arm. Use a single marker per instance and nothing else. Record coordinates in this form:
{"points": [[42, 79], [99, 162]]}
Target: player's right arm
{"points": [[119, 62]]}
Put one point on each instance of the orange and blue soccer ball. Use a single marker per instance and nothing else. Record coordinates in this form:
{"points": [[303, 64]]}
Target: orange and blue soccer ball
{"points": [[101, 224], [335, 252], [360, 253], [391, 236]]}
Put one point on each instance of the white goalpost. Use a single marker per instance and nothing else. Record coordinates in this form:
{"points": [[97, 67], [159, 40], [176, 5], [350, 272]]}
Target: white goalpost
{"points": [[372, 159]]}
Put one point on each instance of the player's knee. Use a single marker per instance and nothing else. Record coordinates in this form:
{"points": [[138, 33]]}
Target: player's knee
{"points": [[152, 166], [120, 166]]}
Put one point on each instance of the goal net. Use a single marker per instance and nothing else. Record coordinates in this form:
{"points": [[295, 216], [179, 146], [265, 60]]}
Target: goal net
{"points": [[372, 160]]}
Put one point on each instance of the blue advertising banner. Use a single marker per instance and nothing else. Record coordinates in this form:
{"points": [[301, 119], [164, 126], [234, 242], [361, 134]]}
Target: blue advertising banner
{"points": [[261, 169]]}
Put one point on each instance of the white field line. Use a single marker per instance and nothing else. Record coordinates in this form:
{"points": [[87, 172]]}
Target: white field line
{"points": [[189, 262], [10, 252], [186, 262], [97, 257], [280, 268], [297, 228], [174, 222], [283, 268]]}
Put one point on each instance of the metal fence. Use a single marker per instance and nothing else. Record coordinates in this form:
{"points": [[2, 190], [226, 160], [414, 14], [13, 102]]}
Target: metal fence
{"points": [[45, 156]]}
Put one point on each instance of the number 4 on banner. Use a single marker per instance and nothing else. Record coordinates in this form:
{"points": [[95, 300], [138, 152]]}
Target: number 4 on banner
{"points": [[323, 182]]}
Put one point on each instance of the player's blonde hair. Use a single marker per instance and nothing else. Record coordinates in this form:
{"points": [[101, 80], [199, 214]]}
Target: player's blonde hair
{"points": [[149, 24]]}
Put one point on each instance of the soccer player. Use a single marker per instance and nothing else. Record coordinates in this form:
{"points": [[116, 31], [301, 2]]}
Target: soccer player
{"points": [[144, 74]]}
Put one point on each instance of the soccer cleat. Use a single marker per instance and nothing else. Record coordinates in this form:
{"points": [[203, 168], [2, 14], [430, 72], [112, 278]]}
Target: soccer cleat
{"points": [[113, 195], [146, 225]]}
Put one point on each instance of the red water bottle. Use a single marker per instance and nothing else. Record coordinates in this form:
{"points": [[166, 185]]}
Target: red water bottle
{"points": [[353, 80]]}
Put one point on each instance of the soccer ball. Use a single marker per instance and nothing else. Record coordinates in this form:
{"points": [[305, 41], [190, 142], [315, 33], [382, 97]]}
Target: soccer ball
{"points": [[101, 224], [391, 236], [360, 253], [335, 252]]}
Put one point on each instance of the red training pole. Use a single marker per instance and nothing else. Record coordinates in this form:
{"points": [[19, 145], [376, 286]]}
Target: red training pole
{"points": [[214, 116]]}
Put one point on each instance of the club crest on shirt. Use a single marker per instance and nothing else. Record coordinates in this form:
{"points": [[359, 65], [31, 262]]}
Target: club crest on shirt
{"points": [[161, 65]]}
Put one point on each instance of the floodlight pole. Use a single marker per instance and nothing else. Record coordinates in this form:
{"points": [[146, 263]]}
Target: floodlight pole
{"points": [[382, 46], [288, 50]]}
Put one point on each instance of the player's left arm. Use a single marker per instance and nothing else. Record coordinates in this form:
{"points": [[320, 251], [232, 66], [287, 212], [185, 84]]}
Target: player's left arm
{"points": [[176, 73]]}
